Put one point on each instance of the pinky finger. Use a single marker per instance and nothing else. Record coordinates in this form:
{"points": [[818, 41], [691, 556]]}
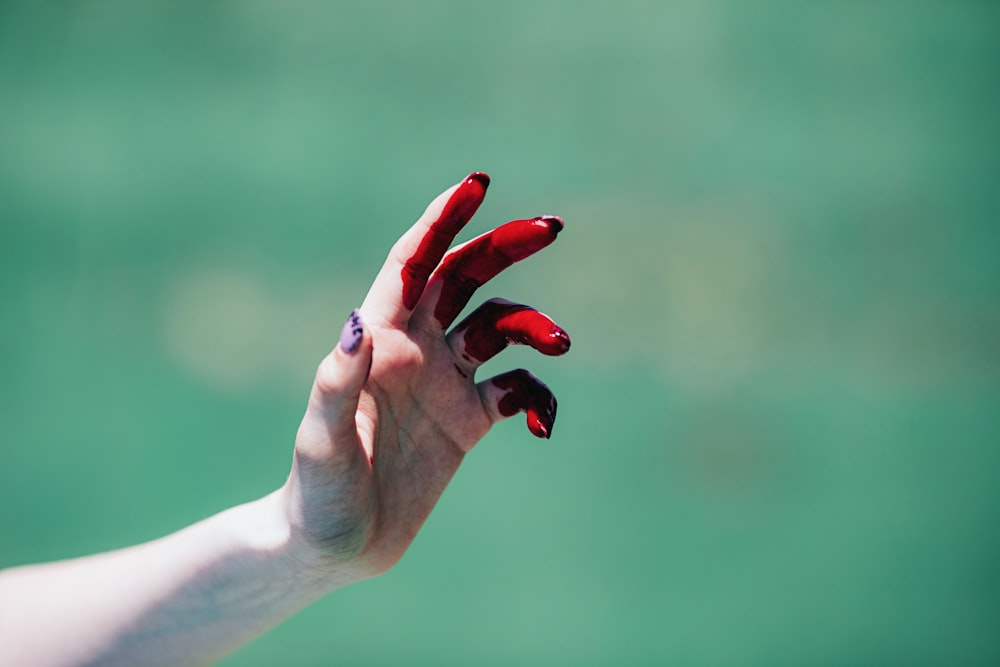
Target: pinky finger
{"points": [[520, 391]]}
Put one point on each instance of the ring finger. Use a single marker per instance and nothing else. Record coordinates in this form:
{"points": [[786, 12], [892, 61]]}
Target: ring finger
{"points": [[498, 323]]}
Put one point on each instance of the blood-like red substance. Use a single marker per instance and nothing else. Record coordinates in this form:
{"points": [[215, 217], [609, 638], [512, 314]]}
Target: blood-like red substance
{"points": [[529, 395], [459, 209], [499, 323], [465, 270]]}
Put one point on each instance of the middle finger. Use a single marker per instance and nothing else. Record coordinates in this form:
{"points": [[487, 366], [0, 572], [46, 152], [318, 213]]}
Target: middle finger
{"points": [[464, 269]]}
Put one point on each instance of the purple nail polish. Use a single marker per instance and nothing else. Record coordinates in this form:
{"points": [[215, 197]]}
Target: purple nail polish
{"points": [[350, 335]]}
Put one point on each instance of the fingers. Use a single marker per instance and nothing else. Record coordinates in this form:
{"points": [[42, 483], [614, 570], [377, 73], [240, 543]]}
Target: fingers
{"points": [[414, 257], [470, 265], [520, 391], [339, 380], [499, 323]]}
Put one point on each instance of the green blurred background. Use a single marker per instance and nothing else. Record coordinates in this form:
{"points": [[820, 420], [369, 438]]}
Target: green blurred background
{"points": [[779, 430]]}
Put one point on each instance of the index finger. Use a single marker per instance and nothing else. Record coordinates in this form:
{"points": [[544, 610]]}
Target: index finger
{"points": [[399, 285]]}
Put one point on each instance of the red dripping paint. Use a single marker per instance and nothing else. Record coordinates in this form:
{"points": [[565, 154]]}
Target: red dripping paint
{"points": [[499, 323], [459, 209], [484, 257], [529, 395]]}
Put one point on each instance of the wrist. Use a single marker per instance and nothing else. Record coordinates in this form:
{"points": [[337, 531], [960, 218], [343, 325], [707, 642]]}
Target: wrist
{"points": [[275, 532]]}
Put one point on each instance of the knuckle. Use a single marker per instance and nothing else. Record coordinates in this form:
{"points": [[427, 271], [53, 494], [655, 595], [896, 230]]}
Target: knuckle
{"points": [[329, 379]]}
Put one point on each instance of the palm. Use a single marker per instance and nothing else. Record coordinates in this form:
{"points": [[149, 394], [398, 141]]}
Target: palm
{"points": [[417, 386], [369, 470]]}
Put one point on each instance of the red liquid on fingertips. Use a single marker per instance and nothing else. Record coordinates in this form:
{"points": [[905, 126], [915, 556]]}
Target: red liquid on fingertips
{"points": [[482, 258], [529, 395], [458, 210], [496, 324]]}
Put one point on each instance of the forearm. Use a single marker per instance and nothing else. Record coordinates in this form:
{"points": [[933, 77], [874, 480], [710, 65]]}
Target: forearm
{"points": [[379, 442], [187, 598]]}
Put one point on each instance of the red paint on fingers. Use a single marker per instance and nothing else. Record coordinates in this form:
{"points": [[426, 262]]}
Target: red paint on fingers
{"points": [[527, 394], [465, 270], [498, 323], [457, 211]]}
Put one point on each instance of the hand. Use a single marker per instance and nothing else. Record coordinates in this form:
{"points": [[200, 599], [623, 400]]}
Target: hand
{"points": [[395, 407], [393, 411]]}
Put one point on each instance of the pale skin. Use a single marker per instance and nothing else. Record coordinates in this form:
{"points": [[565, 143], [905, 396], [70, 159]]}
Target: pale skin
{"points": [[385, 428]]}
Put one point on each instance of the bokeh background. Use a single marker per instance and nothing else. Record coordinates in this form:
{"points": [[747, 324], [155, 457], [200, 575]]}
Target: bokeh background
{"points": [[779, 431]]}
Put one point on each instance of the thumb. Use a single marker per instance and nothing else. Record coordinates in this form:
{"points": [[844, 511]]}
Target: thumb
{"points": [[340, 378]]}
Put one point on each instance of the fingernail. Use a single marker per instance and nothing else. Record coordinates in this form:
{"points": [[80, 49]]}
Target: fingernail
{"points": [[548, 419], [554, 221], [350, 335], [484, 179], [558, 341], [539, 430], [540, 423], [529, 394]]}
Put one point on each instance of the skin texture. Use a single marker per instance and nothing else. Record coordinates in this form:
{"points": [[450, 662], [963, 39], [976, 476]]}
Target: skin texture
{"points": [[370, 464], [392, 412]]}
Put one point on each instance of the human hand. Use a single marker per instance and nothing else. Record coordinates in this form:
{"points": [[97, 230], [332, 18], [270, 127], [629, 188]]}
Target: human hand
{"points": [[392, 412], [395, 407]]}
